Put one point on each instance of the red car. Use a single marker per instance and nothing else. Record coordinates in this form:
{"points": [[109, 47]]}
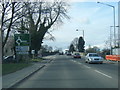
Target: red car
{"points": [[76, 55]]}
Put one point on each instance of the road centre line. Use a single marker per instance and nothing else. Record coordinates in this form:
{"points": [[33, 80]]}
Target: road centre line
{"points": [[94, 70], [74, 61], [87, 66], [79, 63], [103, 74]]}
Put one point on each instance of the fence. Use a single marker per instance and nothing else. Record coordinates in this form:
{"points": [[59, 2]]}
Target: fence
{"points": [[113, 57]]}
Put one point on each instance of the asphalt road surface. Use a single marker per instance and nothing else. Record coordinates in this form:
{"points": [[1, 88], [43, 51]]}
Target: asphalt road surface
{"points": [[67, 72]]}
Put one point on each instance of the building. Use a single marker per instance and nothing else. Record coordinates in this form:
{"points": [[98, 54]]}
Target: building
{"points": [[9, 47]]}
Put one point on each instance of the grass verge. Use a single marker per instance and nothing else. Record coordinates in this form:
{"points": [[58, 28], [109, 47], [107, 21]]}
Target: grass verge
{"points": [[36, 60], [13, 67]]}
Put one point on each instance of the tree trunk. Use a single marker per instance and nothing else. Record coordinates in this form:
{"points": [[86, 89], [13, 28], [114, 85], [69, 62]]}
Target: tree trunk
{"points": [[37, 38]]}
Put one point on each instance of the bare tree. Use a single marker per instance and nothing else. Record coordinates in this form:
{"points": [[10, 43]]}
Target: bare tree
{"points": [[41, 17], [11, 12]]}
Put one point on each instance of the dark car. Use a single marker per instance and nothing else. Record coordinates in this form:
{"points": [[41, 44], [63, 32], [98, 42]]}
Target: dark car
{"points": [[68, 54], [60, 53]]}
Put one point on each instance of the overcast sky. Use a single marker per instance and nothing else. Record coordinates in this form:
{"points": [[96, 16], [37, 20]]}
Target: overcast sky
{"points": [[95, 19]]}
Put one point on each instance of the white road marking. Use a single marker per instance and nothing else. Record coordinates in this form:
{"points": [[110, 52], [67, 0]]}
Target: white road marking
{"points": [[94, 70], [79, 63], [103, 74], [74, 61], [87, 66]]}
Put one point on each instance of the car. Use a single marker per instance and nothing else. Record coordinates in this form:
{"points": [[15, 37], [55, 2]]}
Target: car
{"points": [[8, 59], [61, 53], [93, 58], [76, 55], [68, 54]]}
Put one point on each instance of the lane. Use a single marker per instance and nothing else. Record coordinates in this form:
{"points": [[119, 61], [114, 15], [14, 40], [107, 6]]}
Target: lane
{"points": [[65, 73], [107, 68]]}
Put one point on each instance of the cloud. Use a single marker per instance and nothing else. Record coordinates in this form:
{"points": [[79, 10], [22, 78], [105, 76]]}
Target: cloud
{"points": [[84, 20], [101, 46], [93, 0]]}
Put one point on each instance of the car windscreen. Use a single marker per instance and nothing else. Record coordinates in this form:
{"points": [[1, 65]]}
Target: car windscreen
{"points": [[77, 54], [93, 55]]}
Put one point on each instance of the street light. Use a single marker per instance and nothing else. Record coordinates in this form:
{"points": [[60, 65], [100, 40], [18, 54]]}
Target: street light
{"points": [[82, 31], [113, 18], [111, 38]]}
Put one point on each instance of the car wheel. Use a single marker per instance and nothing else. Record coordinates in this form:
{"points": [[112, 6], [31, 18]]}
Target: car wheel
{"points": [[89, 62]]}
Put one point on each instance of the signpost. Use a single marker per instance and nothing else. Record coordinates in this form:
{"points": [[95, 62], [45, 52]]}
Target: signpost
{"points": [[22, 43], [33, 53]]}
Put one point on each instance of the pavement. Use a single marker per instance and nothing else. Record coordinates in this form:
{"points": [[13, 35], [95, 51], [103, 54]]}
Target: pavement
{"points": [[9, 80]]}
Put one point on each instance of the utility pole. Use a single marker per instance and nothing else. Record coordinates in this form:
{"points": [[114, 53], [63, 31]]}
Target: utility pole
{"points": [[113, 19], [82, 32]]}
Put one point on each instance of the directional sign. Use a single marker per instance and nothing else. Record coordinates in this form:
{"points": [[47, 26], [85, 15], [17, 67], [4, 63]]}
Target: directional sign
{"points": [[22, 40], [22, 43], [22, 48]]}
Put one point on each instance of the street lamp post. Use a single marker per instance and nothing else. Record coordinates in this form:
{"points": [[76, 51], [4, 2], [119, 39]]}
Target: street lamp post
{"points": [[113, 18], [111, 38], [82, 31]]}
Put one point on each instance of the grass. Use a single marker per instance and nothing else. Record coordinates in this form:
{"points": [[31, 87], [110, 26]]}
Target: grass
{"points": [[13, 67], [36, 60]]}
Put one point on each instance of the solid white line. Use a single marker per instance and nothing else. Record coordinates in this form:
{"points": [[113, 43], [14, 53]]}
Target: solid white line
{"points": [[103, 74]]}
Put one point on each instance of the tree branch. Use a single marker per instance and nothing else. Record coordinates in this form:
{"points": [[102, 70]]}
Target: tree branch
{"points": [[39, 18], [9, 28]]}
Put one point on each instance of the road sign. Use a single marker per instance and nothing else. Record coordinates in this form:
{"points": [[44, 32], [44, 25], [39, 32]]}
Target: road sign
{"points": [[22, 52], [22, 40], [22, 43], [22, 48]]}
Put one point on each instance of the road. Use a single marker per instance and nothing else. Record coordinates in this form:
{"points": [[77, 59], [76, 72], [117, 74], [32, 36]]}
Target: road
{"points": [[67, 72]]}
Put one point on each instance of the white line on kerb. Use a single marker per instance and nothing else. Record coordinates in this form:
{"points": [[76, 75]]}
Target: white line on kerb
{"points": [[103, 74]]}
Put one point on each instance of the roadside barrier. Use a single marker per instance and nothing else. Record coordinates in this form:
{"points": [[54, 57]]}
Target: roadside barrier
{"points": [[113, 57]]}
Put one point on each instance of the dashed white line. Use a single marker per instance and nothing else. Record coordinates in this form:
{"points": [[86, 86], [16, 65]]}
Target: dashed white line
{"points": [[103, 74], [79, 63], [87, 66], [74, 61], [94, 70]]}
